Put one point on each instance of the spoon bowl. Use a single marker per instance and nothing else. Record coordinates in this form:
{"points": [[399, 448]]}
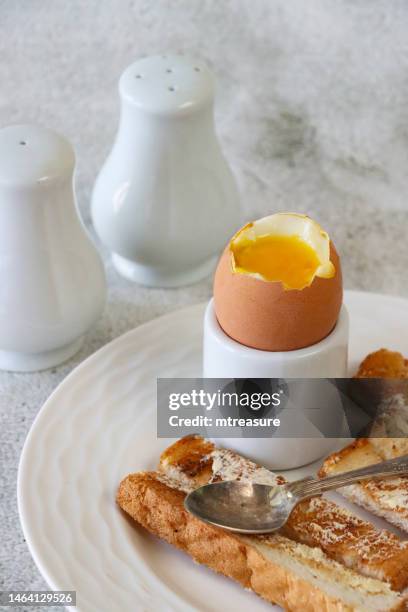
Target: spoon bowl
{"points": [[243, 507]]}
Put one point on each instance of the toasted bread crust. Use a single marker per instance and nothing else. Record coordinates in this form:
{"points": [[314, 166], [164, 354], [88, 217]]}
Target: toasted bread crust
{"points": [[318, 523], [385, 498], [360, 451], [383, 364], [160, 510], [350, 541]]}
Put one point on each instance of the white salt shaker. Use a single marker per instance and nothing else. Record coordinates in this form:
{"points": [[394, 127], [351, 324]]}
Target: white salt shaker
{"points": [[165, 201], [52, 282]]}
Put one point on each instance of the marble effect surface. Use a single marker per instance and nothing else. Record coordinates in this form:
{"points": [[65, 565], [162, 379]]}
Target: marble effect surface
{"points": [[311, 113]]}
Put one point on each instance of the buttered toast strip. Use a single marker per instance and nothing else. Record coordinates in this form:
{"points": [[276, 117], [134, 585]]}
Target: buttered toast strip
{"points": [[295, 576], [385, 498], [342, 536], [350, 540]]}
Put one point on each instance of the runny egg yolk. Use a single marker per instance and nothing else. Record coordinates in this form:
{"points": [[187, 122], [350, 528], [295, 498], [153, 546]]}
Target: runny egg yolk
{"points": [[288, 259]]}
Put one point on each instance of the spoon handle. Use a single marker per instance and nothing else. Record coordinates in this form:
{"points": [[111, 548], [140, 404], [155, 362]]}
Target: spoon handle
{"points": [[315, 486]]}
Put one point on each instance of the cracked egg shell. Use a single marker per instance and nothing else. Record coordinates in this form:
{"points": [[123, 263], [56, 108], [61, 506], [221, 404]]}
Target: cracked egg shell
{"points": [[265, 314]]}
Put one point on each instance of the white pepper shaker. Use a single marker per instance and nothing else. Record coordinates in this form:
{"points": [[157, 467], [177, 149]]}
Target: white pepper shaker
{"points": [[165, 201], [52, 281]]}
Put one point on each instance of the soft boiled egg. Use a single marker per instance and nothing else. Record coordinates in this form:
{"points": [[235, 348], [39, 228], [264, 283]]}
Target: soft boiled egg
{"points": [[278, 284]]}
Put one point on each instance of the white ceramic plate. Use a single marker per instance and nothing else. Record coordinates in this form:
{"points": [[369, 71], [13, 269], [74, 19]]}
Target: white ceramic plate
{"points": [[99, 425]]}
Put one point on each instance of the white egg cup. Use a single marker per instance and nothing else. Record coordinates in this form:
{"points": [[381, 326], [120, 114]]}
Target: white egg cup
{"points": [[225, 358], [165, 201]]}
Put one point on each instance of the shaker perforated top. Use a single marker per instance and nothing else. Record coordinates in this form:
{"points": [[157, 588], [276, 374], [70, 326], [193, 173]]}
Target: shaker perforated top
{"points": [[31, 154], [167, 84]]}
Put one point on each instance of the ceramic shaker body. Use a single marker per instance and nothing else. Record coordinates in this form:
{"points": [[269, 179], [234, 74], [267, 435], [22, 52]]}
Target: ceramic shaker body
{"points": [[51, 277], [165, 201]]}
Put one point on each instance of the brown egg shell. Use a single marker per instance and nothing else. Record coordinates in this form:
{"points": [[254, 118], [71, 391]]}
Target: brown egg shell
{"points": [[264, 315]]}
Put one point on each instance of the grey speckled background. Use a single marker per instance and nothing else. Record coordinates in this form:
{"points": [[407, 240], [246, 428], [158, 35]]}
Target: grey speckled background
{"points": [[312, 112]]}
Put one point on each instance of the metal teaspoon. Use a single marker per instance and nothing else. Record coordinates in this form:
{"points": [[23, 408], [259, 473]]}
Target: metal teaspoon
{"points": [[252, 508]]}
